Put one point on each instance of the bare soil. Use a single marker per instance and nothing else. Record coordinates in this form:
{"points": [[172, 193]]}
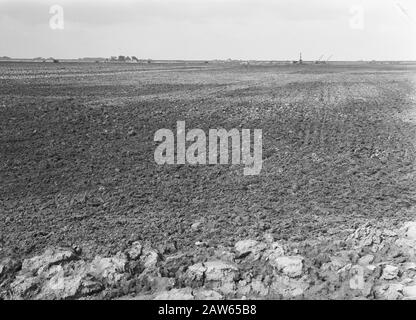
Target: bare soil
{"points": [[77, 167]]}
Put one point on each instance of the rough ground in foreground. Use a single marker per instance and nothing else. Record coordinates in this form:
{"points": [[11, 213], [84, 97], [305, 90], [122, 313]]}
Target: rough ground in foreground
{"points": [[366, 263]]}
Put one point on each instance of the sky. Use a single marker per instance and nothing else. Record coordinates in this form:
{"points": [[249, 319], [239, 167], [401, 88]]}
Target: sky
{"points": [[210, 29]]}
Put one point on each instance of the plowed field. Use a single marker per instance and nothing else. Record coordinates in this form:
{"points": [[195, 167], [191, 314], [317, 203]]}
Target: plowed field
{"points": [[77, 166]]}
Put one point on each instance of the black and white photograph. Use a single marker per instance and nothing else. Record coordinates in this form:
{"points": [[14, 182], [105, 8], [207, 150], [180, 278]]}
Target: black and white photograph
{"points": [[198, 150]]}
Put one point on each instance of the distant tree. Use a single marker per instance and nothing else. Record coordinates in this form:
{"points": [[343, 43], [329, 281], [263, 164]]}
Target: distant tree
{"points": [[128, 58], [121, 58], [52, 59], [134, 58]]}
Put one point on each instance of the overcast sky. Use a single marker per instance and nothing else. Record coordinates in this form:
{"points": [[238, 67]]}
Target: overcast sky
{"points": [[211, 29]]}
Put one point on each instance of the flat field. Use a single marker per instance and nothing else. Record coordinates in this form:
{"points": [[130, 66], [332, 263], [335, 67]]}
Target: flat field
{"points": [[77, 166]]}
